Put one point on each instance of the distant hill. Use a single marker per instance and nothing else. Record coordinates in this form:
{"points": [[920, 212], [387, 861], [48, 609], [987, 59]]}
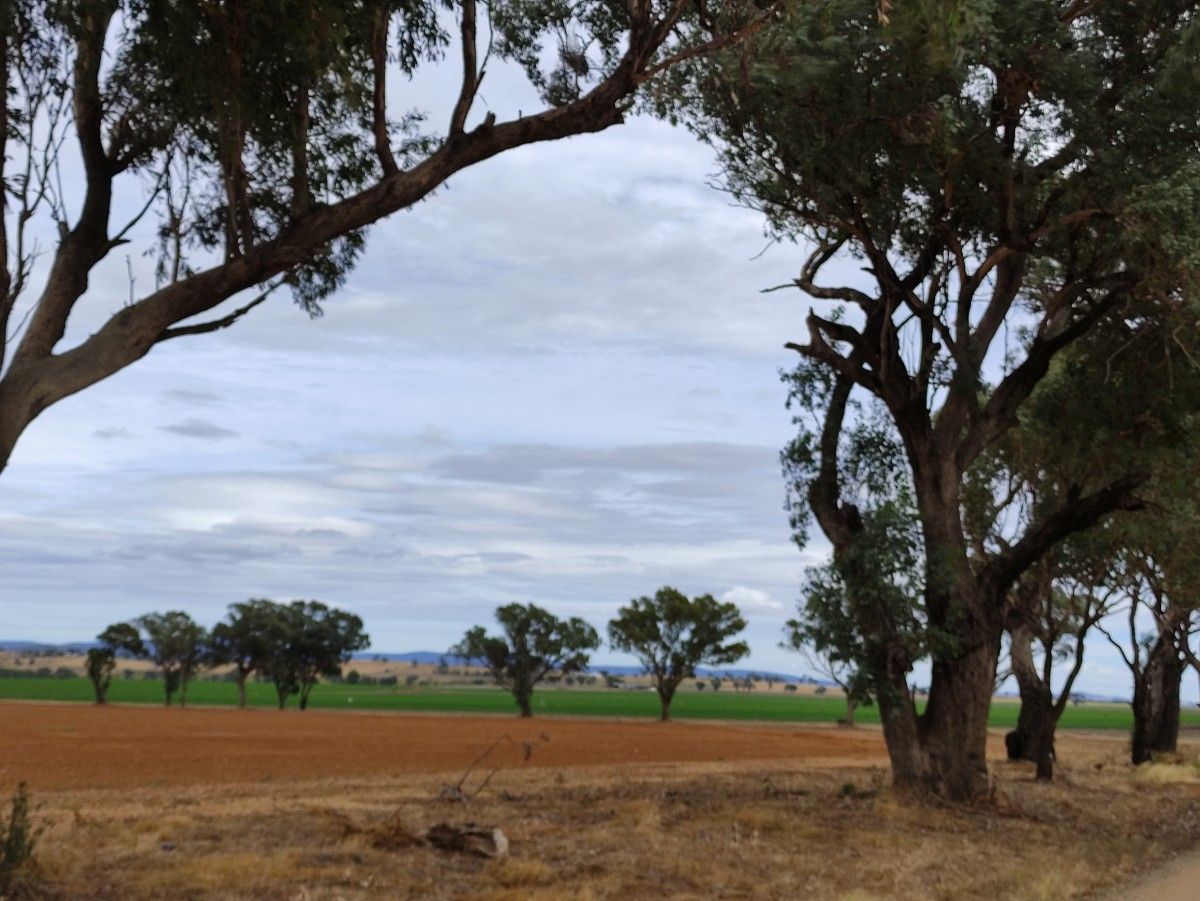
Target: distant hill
{"points": [[615, 669], [434, 657]]}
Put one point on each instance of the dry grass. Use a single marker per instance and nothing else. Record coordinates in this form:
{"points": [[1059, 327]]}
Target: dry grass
{"points": [[748, 830]]}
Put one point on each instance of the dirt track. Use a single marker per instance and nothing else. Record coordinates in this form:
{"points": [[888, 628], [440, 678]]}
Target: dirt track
{"points": [[68, 746]]}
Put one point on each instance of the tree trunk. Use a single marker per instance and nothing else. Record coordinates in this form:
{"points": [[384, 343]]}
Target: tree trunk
{"points": [[523, 699], [848, 717], [901, 726], [954, 725], [241, 688], [664, 698], [304, 690], [1033, 739], [101, 691], [1156, 702]]}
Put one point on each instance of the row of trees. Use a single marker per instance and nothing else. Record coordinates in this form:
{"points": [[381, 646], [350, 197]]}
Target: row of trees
{"points": [[293, 645], [670, 634], [997, 396]]}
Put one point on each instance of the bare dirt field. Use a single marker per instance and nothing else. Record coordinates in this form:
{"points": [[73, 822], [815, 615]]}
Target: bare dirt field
{"points": [[150, 803], [58, 746]]}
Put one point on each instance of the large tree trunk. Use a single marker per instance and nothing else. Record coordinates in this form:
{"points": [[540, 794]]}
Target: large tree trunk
{"points": [[241, 689], [1156, 702], [954, 724], [1033, 739]]}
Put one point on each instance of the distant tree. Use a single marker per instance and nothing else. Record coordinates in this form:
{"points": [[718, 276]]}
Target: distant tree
{"points": [[534, 643], [354, 676], [790, 688], [317, 640], [176, 644], [249, 639], [716, 682], [700, 685], [102, 660], [671, 635]]}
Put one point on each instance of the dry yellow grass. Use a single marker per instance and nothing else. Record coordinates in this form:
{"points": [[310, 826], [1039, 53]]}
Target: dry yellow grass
{"points": [[748, 830]]}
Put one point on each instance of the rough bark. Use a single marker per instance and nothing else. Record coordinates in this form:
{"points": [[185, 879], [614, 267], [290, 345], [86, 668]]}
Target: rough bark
{"points": [[954, 724], [1033, 739], [1156, 702]]}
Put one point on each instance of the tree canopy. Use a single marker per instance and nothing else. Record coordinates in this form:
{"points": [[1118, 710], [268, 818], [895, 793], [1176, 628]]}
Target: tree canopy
{"points": [[1006, 178], [258, 140], [534, 643], [671, 634]]}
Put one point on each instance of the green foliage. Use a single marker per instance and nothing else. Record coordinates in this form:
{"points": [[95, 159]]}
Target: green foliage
{"points": [[671, 635], [18, 838], [100, 665], [314, 641], [534, 643], [252, 639], [176, 644]]}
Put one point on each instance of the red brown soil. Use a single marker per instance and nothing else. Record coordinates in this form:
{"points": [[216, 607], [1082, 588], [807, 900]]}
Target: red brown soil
{"points": [[67, 746]]}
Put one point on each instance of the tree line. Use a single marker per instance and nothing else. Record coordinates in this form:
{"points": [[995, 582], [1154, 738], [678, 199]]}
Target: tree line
{"points": [[997, 402], [670, 634], [292, 645]]}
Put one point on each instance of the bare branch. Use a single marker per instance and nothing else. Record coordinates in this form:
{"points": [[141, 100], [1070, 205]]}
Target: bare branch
{"points": [[204, 328]]}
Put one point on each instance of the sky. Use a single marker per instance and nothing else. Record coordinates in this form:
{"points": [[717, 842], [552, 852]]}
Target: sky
{"points": [[556, 381]]}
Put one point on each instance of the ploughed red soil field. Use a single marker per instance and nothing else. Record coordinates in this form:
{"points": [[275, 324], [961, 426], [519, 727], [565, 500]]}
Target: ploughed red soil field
{"points": [[72, 746]]}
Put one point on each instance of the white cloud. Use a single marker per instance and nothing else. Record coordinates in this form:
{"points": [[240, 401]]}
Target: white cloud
{"points": [[752, 600]]}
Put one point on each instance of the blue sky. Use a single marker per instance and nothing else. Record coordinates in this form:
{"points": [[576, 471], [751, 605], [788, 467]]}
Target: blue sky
{"points": [[555, 381]]}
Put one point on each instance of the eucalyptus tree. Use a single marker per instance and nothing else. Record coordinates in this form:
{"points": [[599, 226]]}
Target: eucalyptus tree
{"points": [[1006, 176], [102, 659], [534, 644], [176, 644], [250, 639], [1155, 571], [261, 139], [1048, 624], [860, 617], [308, 640], [671, 634]]}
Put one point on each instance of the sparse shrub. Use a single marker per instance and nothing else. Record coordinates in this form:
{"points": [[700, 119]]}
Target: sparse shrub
{"points": [[18, 837]]}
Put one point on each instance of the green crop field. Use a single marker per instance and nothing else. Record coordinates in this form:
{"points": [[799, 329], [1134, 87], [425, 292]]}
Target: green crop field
{"points": [[572, 702]]}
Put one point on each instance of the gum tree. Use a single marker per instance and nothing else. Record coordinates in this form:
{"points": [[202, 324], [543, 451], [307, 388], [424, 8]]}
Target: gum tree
{"points": [[102, 660], [534, 643], [671, 634], [176, 644], [980, 184], [260, 139], [249, 639]]}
